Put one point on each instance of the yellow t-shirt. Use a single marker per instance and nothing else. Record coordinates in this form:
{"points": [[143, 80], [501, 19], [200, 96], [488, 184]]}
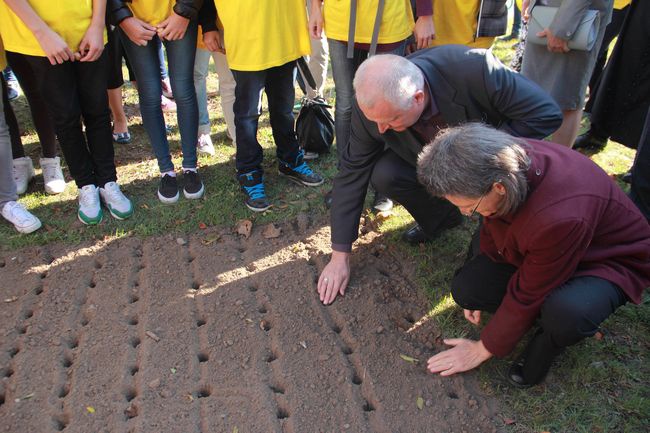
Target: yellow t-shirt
{"points": [[260, 35], [152, 11], [456, 21], [68, 18], [620, 4], [396, 21], [3, 60]]}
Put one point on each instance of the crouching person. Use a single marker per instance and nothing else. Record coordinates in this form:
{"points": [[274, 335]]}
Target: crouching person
{"points": [[64, 46], [560, 243]]}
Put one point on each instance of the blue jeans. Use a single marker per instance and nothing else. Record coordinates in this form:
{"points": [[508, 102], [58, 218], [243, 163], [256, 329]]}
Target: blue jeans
{"points": [[146, 65], [277, 82]]}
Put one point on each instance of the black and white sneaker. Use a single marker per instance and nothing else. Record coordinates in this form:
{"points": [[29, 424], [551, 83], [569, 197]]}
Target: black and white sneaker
{"points": [[192, 185], [168, 190]]}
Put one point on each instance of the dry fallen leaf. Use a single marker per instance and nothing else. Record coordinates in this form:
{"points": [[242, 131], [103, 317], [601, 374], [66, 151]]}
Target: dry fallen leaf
{"points": [[598, 335], [202, 226], [12, 299], [271, 231], [419, 402], [153, 336], [244, 228], [508, 421], [90, 409], [409, 358], [210, 240]]}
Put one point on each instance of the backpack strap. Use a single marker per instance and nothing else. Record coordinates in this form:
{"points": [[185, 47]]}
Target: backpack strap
{"points": [[375, 31]]}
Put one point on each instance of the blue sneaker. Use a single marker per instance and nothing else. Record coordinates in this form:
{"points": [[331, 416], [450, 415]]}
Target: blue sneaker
{"points": [[299, 172], [252, 184]]}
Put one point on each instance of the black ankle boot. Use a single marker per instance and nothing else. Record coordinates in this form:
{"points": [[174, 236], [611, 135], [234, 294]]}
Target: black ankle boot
{"points": [[534, 363], [590, 140]]}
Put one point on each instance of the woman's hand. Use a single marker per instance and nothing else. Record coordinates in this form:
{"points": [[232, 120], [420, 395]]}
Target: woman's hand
{"points": [[424, 32], [92, 44], [463, 356], [55, 48], [525, 10], [213, 41], [316, 20], [173, 28], [138, 31], [553, 43], [334, 278], [473, 316]]}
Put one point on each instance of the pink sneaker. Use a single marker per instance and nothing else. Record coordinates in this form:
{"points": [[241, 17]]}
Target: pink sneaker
{"points": [[167, 88], [167, 105]]}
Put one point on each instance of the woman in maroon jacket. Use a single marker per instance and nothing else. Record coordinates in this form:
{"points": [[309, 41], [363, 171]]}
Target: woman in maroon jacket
{"points": [[560, 243]]}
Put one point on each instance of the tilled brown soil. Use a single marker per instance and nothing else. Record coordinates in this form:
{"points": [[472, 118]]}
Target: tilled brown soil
{"points": [[218, 333]]}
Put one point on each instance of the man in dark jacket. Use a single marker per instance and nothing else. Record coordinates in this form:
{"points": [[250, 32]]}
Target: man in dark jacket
{"points": [[402, 103]]}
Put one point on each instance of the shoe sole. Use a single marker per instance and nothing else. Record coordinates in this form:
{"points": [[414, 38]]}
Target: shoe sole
{"points": [[89, 222], [118, 216], [168, 200], [301, 182], [258, 209], [29, 229], [196, 195], [205, 152], [54, 191]]}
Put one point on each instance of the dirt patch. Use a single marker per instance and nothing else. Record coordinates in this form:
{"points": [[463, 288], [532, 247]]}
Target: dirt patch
{"points": [[214, 332]]}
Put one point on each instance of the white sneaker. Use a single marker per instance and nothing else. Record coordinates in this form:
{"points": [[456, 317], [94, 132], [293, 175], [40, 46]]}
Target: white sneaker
{"points": [[20, 217], [23, 173], [310, 155], [204, 146], [52, 175], [118, 205], [90, 211]]}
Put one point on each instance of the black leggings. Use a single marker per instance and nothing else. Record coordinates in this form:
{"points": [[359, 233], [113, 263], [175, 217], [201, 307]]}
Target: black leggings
{"points": [[42, 121]]}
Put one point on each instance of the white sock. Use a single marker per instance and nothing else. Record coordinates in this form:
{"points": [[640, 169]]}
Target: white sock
{"points": [[171, 173], [190, 169]]}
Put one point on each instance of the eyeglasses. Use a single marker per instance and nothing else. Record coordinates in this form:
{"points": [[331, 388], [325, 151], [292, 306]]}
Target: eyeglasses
{"points": [[472, 214]]}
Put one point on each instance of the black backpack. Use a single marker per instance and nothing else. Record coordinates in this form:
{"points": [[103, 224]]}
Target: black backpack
{"points": [[314, 125]]}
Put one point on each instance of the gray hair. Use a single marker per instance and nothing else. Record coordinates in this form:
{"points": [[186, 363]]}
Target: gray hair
{"points": [[394, 79], [467, 160]]}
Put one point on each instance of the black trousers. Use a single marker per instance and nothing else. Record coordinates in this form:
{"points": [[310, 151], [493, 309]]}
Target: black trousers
{"points": [[640, 189], [42, 121], [570, 313], [74, 91], [611, 31], [397, 179]]}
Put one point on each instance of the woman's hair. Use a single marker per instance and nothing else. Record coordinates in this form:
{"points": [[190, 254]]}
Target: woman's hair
{"points": [[467, 160], [393, 79]]}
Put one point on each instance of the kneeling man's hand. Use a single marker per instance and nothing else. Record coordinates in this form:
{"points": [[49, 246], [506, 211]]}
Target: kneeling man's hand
{"points": [[335, 277]]}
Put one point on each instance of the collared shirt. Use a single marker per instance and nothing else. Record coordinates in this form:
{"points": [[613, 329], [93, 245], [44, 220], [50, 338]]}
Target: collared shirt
{"points": [[431, 121]]}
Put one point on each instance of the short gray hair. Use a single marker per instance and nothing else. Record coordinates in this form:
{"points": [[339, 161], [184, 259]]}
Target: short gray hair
{"points": [[394, 79], [467, 160]]}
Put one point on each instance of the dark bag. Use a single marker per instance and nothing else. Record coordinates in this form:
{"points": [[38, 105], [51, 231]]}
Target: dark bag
{"points": [[314, 125]]}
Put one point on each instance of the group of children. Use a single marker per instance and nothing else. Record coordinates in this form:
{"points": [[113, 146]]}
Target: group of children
{"points": [[62, 50]]}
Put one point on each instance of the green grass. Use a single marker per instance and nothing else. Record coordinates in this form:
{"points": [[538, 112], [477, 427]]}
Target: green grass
{"points": [[597, 386]]}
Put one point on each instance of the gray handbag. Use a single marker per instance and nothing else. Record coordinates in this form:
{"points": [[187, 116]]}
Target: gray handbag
{"points": [[584, 37]]}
